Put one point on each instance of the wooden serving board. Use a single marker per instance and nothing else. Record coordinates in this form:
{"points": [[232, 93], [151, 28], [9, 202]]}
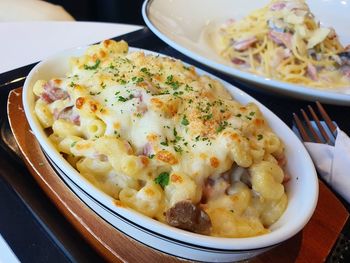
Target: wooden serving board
{"points": [[312, 244]]}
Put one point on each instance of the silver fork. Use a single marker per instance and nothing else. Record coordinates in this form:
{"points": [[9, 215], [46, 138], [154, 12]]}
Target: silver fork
{"points": [[310, 132]]}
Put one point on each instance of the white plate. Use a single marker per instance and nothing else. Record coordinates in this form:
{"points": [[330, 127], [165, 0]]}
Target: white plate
{"points": [[302, 189], [186, 24]]}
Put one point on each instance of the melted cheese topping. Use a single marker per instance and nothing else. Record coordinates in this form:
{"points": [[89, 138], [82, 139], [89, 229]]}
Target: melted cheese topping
{"points": [[151, 132]]}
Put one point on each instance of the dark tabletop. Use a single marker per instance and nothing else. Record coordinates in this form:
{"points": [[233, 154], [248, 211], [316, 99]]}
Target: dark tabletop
{"points": [[32, 225]]}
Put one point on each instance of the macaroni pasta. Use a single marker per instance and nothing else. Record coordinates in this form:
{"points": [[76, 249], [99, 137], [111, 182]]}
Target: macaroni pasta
{"points": [[160, 139]]}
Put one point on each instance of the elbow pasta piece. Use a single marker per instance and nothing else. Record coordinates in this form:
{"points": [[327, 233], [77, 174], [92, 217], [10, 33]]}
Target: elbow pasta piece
{"points": [[65, 128], [240, 196], [273, 210], [94, 128], [240, 154], [181, 187], [272, 142], [132, 165], [147, 200], [67, 143], [226, 223], [43, 113], [267, 179], [94, 166], [38, 87]]}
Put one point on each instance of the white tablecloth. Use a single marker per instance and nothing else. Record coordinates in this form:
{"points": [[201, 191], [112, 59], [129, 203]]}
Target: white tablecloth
{"points": [[23, 43]]}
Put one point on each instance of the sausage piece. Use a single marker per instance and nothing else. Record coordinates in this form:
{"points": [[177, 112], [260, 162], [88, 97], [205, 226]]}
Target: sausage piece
{"points": [[186, 215]]}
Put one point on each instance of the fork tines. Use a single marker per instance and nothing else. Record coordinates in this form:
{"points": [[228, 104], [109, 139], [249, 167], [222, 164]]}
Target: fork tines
{"points": [[318, 133]]}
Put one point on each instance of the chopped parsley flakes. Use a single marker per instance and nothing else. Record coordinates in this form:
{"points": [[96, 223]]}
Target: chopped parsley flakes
{"points": [[162, 179], [95, 66]]}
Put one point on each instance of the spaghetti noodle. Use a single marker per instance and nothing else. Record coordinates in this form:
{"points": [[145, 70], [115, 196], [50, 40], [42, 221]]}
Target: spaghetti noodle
{"points": [[283, 41]]}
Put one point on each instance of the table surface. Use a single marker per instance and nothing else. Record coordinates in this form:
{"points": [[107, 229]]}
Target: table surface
{"points": [[31, 225]]}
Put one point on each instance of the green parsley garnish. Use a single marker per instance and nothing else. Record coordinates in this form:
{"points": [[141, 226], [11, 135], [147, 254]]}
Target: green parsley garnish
{"points": [[165, 143], [260, 136], [222, 126], [178, 148], [122, 99], [73, 144], [97, 63], [170, 81], [185, 121], [162, 179]]}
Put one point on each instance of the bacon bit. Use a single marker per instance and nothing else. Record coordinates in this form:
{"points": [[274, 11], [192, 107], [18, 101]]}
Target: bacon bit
{"points": [[244, 44], [286, 178], [144, 160], [139, 95], [93, 106], [166, 157], [243, 108], [52, 93], [281, 38], [312, 71], [282, 161], [176, 178], [237, 61], [75, 119], [147, 149], [118, 203], [277, 6], [67, 114], [79, 102], [214, 162]]}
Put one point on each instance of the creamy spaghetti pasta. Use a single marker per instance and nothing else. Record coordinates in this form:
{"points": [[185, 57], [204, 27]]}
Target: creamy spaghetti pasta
{"points": [[283, 41], [165, 141]]}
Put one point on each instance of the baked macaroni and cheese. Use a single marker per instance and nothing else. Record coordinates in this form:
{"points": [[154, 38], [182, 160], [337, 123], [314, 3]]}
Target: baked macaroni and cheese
{"points": [[283, 41], [165, 141]]}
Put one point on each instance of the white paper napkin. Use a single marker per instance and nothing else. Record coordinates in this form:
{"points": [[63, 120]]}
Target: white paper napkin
{"points": [[6, 253], [333, 163]]}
